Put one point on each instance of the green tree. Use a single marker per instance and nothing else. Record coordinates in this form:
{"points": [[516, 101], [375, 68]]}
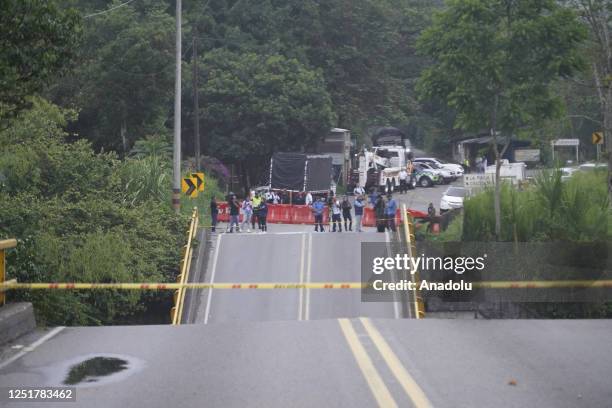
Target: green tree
{"points": [[256, 105], [38, 39], [123, 82], [597, 14], [493, 62]]}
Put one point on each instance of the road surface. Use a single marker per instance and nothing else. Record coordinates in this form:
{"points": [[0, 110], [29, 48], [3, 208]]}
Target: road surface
{"points": [[320, 363], [288, 254]]}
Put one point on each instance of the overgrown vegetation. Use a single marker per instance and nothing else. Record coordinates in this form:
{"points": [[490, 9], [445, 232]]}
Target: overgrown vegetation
{"points": [[551, 210], [85, 217]]}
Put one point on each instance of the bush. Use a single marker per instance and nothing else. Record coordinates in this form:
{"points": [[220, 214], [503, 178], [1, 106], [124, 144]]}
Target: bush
{"points": [[77, 220], [551, 210]]}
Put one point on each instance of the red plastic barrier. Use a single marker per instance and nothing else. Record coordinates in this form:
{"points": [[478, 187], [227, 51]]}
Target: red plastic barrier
{"points": [[223, 211], [369, 218], [283, 213], [302, 214], [417, 213]]}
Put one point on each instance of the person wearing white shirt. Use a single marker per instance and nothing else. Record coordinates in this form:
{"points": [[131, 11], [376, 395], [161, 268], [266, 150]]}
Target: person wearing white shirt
{"points": [[358, 191], [403, 178], [308, 200]]}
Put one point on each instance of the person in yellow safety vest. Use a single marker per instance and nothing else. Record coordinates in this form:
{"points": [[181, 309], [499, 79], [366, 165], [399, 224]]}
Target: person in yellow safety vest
{"points": [[256, 203], [410, 168]]}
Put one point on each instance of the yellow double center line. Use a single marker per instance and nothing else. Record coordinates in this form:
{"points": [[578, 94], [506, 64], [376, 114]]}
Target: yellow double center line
{"points": [[375, 382]]}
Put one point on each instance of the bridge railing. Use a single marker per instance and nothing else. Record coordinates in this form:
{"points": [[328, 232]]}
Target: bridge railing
{"points": [[409, 235], [4, 245], [176, 313]]}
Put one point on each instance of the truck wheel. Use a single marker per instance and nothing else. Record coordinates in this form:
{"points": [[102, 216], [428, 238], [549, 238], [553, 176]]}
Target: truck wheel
{"points": [[425, 182]]}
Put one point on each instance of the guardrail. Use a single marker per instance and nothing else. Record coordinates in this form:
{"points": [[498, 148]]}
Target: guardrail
{"points": [[419, 305], [176, 313], [4, 245]]}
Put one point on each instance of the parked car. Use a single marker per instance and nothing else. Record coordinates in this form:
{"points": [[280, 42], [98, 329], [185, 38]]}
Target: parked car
{"points": [[593, 166], [425, 177], [452, 198], [446, 176], [455, 169]]}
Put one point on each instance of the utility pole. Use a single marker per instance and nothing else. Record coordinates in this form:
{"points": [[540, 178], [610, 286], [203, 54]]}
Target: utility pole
{"points": [[176, 154], [196, 102]]}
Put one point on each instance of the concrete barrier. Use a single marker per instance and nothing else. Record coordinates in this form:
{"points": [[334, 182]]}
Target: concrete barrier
{"points": [[16, 319]]}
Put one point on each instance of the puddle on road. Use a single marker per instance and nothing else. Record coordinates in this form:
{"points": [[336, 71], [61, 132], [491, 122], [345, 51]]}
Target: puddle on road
{"points": [[92, 369]]}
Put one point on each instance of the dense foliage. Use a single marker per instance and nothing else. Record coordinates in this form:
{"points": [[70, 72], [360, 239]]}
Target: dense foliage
{"points": [[551, 210], [38, 39], [79, 218]]}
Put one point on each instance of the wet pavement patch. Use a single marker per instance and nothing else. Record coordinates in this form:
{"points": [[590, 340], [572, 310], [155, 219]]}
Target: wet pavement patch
{"points": [[93, 369]]}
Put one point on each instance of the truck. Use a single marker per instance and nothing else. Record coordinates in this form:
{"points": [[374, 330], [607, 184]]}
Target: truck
{"points": [[379, 167], [299, 172]]}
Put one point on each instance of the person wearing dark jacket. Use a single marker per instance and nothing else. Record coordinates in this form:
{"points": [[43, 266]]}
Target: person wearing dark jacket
{"points": [[214, 213], [346, 214], [234, 207], [263, 214], [379, 211]]}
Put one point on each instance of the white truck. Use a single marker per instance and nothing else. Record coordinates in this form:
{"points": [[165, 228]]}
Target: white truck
{"points": [[380, 167], [513, 172]]}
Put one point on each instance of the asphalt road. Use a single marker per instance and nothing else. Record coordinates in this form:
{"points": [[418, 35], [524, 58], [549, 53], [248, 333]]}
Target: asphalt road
{"points": [[320, 363], [288, 253]]}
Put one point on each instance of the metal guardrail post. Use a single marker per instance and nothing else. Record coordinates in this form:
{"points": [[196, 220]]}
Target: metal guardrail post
{"points": [[176, 312], [4, 245], [409, 232]]}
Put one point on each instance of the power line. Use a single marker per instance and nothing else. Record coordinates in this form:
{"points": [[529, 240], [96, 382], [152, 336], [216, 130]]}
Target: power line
{"points": [[109, 10]]}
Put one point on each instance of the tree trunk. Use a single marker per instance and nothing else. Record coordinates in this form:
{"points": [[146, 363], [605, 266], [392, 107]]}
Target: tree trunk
{"points": [[497, 194], [124, 136]]}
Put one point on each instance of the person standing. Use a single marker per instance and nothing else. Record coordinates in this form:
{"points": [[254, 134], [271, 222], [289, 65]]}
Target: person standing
{"points": [[390, 210], [255, 204], [431, 216], [379, 212], [263, 214], [317, 209], [373, 197], [403, 179], [359, 204], [234, 214], [346, 214], [247, 214], [214, 213], [336, 211], [358, 190], [308, 200]]}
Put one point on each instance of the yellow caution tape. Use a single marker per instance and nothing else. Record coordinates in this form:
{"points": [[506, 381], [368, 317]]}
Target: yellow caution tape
{"points": [[293, 285]]}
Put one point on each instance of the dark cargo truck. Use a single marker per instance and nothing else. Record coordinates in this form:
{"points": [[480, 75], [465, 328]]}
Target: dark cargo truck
{"points": [[300, 172]]}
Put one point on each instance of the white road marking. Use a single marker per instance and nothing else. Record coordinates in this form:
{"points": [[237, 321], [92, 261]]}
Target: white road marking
{"points": [[309, 263], [32, 346], [301, 300], [212, 278]]}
